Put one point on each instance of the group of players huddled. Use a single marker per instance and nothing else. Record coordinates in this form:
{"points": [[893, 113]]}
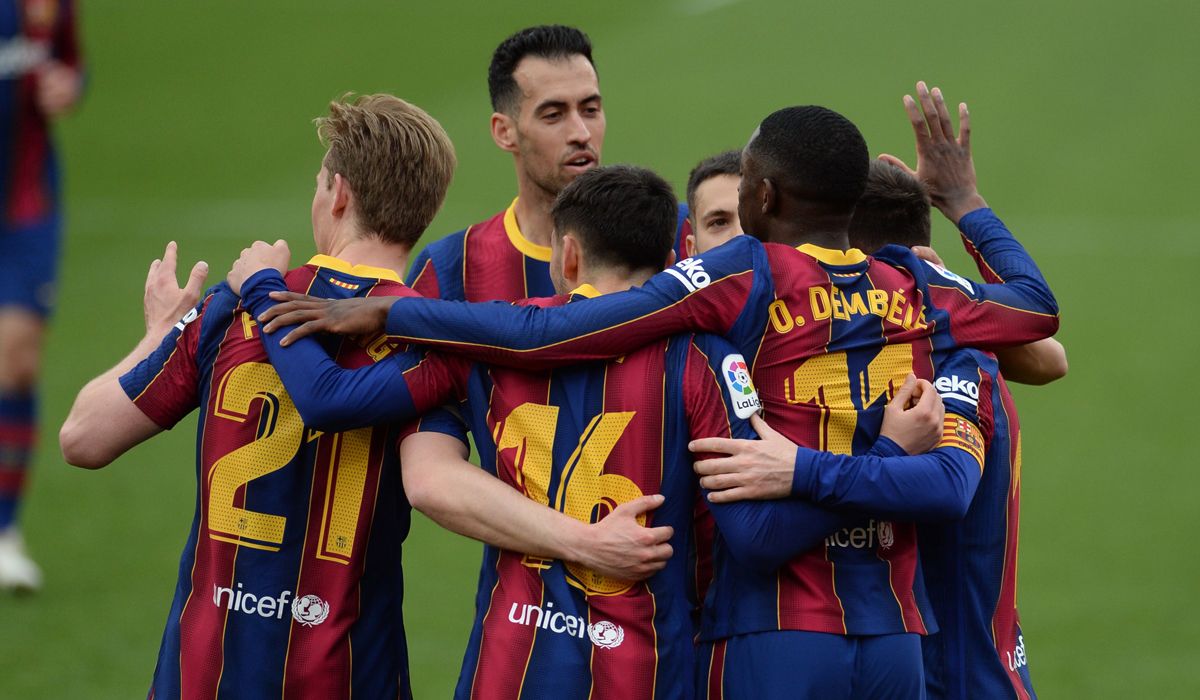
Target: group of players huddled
{"points": [[778, 465]]}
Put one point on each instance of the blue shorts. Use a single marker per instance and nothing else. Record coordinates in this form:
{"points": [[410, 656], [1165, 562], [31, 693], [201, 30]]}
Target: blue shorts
{"points": [[793, 665], [29, 265]]}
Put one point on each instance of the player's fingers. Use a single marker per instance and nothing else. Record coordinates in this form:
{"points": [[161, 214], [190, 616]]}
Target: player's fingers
{"points": [[928, 254], [732, 495], [168, 258], [723, 446], [929, 112], [920, 128], [943, 114], [905, 393], [894, 161], [293, 296], [720, 482], [302, 331], [288, 307], [660, 534], [640, 505], [290, 318], [195, 281], [964, 127], [715, 465], [761, 427], [661, 553]]}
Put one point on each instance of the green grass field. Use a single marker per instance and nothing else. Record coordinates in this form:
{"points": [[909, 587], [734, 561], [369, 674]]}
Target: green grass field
{"points": [[197, 128]]}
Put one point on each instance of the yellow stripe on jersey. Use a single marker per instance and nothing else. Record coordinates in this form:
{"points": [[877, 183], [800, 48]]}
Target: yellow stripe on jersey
{"points": [[960, 432]]}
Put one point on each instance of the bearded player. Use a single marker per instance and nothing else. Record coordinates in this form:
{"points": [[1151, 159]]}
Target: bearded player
{"points": [[549, 114]]}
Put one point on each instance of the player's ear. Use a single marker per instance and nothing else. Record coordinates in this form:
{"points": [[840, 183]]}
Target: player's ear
{"points": [[689, 245], [571, 259], [342, 196], [504, 131], [770, 197], [671, 256]]}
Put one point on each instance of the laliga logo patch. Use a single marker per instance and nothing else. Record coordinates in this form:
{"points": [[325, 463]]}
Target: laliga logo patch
{"points": [[606, 635], [961, 281], [741, 389], [310, 610]]}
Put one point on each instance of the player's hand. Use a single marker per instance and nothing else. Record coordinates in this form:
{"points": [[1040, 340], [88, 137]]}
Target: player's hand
{"points": [[944, 161], [58, 88], [620, 547], [928, 254], [164, 302], [913, 418], [753, 469], [259, 256], [358, 316]]}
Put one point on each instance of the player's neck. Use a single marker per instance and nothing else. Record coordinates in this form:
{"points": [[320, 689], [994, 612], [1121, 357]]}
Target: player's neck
{"points": [[373, 251], [608, 281], [533, 213]]}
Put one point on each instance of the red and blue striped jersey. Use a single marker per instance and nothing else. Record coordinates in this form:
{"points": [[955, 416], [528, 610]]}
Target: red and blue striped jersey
{"points": [[971, 565], [583, 440], [32, 32], [829, 336], [290, 584], [493, 260]]}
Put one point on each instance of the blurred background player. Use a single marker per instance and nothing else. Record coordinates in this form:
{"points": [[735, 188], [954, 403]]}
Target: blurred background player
{"points": [[294, 553], [40, 78], [712, 198], [548, 113]]}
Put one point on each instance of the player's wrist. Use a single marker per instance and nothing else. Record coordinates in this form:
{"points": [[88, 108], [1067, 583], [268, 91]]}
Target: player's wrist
{"points": [[958, 206]]}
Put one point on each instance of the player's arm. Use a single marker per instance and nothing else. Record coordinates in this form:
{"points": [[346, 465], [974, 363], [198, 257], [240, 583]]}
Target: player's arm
{"points": [[1034, 363], [327, 395], [1017, 305], [59, 82], [762, 535], [887, 481], [104, 422], [707, 293], [461, 497]]}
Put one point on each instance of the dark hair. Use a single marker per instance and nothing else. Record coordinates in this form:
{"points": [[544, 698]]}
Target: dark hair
{"points": [[894, 209], [813, 153], [622, 215], [726, 163], [548, 41]]}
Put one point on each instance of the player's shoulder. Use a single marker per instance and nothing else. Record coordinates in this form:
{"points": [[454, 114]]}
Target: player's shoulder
{"points": [[925, 272], [730, 369]]}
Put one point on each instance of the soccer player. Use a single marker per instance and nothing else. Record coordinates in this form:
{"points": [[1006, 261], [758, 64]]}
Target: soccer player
{"points": [[712, 197], [828, 333], [570, 438], [291, 581], [970, 565], [548, 113], [40, 78]]}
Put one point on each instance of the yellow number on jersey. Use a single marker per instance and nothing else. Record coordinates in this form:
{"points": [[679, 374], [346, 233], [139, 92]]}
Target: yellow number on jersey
{"points": [[585, 492]]}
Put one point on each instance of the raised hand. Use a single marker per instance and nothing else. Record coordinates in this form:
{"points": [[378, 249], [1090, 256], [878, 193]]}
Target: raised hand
{"points": [[259, 256], [312, 315], [752, 470], [619, 547], [944, 161], [164, 302], [913, 418]]}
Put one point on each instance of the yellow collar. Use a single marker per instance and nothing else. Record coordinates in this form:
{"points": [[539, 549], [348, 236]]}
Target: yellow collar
{"points": [[527, 247], [586, 290], [357, 270], [830, 256]]}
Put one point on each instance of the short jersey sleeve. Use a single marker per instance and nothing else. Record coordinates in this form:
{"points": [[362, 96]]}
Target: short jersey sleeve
{"points": [[165, 385]]}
